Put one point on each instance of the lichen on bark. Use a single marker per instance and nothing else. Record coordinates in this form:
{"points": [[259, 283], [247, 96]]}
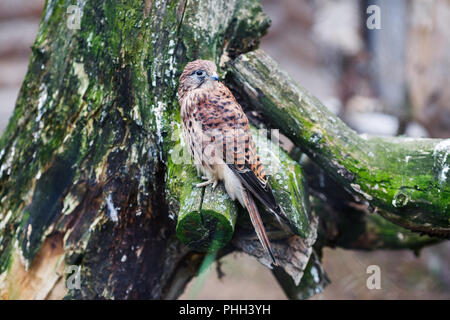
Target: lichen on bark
{"points": [[87, 174], [405, 177], [85, 152]]}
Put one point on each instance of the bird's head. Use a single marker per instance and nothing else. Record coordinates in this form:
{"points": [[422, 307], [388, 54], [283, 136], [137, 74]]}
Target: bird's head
{"points": [[198, 74]]}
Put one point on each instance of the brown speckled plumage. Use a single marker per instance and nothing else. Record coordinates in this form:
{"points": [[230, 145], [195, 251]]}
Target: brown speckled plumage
{"points": [[218, 136]]}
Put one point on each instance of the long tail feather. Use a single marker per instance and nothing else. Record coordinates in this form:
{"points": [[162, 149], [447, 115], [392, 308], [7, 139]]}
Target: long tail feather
{"points": [[258, 224]]}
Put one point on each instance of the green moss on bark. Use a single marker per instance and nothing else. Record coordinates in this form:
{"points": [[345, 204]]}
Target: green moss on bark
{"points": [[407, 178]]}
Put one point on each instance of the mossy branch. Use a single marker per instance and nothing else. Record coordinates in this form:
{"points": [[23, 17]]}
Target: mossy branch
{"points": [[350, 224], [206, 218], [406, 178], [86, 170], [85, 158]]}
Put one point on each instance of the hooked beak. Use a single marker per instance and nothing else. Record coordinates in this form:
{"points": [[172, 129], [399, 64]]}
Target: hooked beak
{"points": [[214, 77]]}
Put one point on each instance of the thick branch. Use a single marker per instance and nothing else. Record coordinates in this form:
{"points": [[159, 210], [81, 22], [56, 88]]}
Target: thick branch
{"points": [[351, 224], [206, 218], [85, 157], [407, 178]]}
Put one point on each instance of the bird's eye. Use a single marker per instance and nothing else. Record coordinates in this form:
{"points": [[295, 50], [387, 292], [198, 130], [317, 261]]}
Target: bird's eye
{"points": [[200, 73]]}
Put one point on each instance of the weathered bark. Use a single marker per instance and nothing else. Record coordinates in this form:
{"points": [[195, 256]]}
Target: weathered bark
{"points": [[87, 174], [350, 224], [313, 282], [207, 218], [83, 160], [406, 178]]}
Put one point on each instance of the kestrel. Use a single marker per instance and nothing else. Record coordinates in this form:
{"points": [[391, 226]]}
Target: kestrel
{"points": [[218, 137]]}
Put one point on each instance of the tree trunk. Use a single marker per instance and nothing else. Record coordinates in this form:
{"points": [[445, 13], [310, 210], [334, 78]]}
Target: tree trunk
{"points": [[406, 178], [90, 185], [83, 159]]}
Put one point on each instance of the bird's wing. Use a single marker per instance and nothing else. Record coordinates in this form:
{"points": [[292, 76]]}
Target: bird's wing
{"points": [[221, 111]]}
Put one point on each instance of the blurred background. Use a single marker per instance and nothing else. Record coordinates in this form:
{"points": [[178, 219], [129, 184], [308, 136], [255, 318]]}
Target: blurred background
{"points": [[389, 81]]}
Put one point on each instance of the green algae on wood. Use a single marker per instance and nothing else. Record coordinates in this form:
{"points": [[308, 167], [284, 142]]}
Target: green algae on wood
{"points": [[350, 227], [407, 178], [209, 225], [287, 181], [93, 118], [207, 218], [345, 223]]}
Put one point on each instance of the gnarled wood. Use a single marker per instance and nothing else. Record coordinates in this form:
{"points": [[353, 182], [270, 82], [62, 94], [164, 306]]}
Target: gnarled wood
{"points": [[407, 178], [86, 153], [87, 170]]}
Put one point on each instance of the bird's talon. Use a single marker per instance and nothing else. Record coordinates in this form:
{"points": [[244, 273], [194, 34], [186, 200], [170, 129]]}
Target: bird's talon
{"points": [[214, 183], [204, 184]]}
